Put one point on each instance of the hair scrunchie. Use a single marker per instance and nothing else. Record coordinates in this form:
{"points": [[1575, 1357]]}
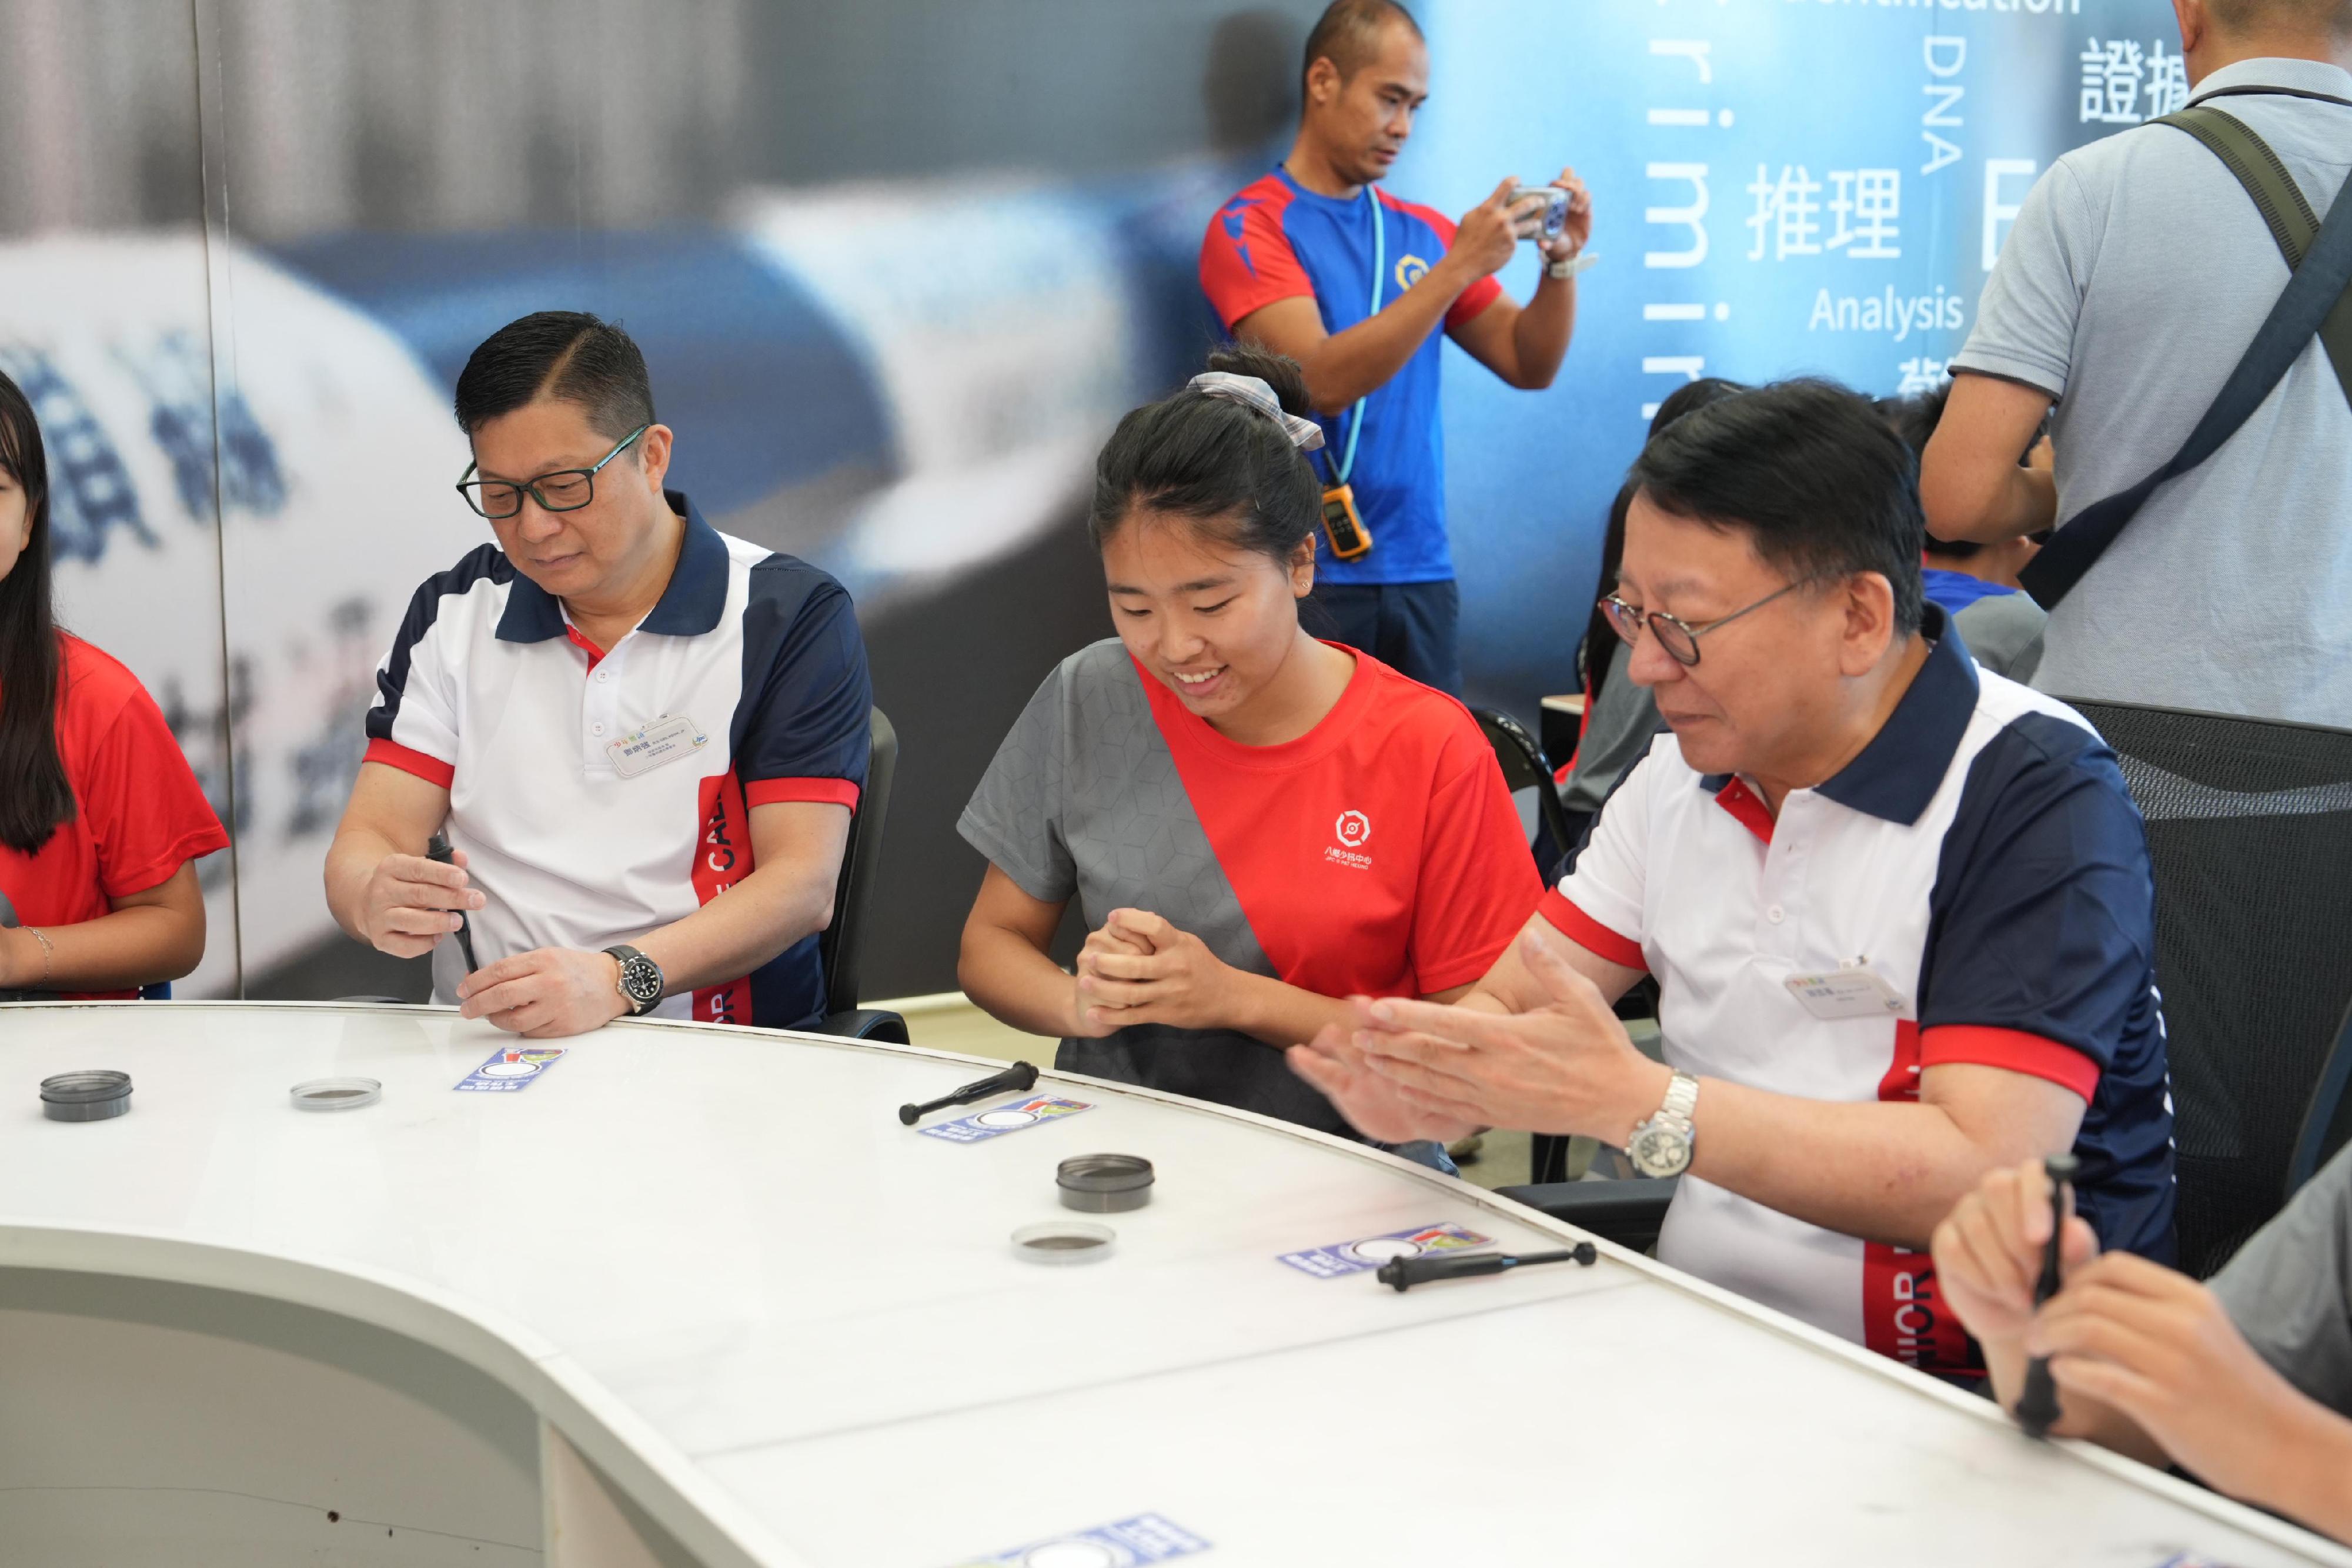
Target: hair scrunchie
{"points": [[1253, 393]]}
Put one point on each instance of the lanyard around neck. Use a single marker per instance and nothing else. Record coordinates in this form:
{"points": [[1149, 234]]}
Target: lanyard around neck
{"points": [[1347, 464]]}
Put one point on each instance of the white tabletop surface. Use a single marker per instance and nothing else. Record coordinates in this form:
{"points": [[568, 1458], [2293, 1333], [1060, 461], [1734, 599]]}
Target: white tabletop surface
{"points": [[716, 1260]]}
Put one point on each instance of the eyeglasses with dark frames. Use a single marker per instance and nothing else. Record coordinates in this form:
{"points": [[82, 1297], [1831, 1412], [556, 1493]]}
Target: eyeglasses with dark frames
{"points": [[563, 490], [1677, 636]]}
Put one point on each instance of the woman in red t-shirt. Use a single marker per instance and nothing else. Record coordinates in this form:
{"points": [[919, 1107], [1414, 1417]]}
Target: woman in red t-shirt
{"points": [[101, 818], [1255, 824]]}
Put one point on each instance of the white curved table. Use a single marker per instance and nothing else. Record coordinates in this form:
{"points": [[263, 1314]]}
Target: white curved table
{"points": [[696, 1296]]}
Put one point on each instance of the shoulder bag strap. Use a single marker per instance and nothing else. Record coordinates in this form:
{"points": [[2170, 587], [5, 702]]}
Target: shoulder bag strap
{"points": [[2316, 293], [2281, 202]]}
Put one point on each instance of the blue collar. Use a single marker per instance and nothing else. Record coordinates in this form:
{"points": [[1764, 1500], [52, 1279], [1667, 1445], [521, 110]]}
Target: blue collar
{"points": [[1904, 763], [688, 606], [1900, 770]]}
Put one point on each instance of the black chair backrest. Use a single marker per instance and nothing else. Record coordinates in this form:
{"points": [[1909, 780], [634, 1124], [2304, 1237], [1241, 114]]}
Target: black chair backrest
{"points": [[2328, 1125], [2250, 827], [838, 946], [1525, 766]]}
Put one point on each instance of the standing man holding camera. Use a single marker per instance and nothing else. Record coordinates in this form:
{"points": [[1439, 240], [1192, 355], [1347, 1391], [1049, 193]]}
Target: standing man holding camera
{"points": [[1315, 262]]}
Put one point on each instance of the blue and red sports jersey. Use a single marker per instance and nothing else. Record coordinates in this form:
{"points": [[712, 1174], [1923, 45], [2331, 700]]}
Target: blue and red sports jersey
{"points": [[1276, 240]]}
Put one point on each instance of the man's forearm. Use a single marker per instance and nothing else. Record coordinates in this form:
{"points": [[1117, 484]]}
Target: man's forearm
{"points": [[351, 860], [1359, 361], [1985, 500], [1884, 1171], [1540, 338], [728, 938]]}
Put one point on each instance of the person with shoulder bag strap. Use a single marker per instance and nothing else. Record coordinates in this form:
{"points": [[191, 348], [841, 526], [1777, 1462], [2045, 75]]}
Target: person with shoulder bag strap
{"points": [[2317, 301]]}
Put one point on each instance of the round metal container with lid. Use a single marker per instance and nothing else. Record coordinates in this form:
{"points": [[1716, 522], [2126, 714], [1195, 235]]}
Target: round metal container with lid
{"points": [[90, 1096], [1104, 1184]]}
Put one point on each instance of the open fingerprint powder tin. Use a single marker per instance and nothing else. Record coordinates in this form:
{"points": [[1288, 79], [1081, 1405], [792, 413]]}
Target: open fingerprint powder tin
{"points": [[336, 1093], [91, 1096], [1060, 1241]]}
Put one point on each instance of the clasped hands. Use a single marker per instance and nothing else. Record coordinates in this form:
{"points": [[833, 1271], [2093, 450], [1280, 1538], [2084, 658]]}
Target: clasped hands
{"points": [[1141, 969], [412, 902], [1411, 1069]]}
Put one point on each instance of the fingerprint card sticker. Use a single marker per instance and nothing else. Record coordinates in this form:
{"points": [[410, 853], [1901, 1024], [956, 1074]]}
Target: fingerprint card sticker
{"points": [[1146, 1537], [1355, 1256], [1003, 1119], [511, 1070]]}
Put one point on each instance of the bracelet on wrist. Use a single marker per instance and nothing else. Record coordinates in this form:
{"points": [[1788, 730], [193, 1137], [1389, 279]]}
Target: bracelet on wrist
{"points": [[48, 957]]}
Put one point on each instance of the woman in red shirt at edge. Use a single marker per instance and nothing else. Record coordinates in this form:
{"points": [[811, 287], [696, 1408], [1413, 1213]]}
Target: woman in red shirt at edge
{"points": [[1256, 824], [101, 818]]}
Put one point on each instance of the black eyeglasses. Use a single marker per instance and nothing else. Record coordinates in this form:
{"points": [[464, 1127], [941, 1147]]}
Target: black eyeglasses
{"points": [[1677, 636], [564, 490]]}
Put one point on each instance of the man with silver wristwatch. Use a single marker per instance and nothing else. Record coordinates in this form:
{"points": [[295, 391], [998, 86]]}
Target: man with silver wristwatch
{"points": [[1899, 908]]}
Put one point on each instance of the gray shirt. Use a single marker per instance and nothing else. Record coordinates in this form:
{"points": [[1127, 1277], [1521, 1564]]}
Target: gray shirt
{"points": [[2289, 1290], [2003, 631], [2134, 277]]}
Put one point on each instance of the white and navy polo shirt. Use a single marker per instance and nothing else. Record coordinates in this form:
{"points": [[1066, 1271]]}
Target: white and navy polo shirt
{"points": [[601, 794], [1982, 858]]}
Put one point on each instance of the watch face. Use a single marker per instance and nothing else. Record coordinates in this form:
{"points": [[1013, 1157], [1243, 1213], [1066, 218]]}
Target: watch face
{"points": [[641, 979], [1661, 1150]]}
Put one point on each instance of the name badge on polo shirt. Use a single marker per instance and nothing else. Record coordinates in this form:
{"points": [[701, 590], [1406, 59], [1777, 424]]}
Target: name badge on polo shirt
{"points": [[1853, 993], [657, 745]]}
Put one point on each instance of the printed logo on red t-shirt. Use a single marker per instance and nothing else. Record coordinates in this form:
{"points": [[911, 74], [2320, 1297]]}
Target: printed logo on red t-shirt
{"points": [[1353, 830]]}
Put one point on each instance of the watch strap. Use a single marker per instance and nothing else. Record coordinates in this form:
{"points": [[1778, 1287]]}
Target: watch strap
{"points": [[1682, 1098], [1571, 265], [624, 955]]}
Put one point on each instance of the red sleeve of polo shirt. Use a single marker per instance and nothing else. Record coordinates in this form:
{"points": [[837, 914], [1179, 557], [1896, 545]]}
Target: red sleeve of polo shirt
{"points": [[1477, 880], [1589, 934], [1246, 259], [2012, 1049], [780, 791], [1599, 904], [391, 754], [142, 806]]}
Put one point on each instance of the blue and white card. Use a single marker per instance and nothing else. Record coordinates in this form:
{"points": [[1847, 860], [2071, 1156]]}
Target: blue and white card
{"points": [[1355, 1256], [511, 1069], [1146, 1537], [1003, 1119]]}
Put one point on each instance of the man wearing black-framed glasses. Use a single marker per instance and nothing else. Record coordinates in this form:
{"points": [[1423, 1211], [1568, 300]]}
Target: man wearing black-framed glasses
{"points": [[613, 714], [1899, 908]]}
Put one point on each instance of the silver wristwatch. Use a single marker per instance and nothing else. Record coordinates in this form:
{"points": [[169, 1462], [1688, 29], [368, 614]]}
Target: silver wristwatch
{"points": [[1661, 1145], [1569, 267], [641, 983]]}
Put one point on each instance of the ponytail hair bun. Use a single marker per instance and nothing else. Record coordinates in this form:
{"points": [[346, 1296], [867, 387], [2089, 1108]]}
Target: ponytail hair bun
{"points": [[1229, 469]]}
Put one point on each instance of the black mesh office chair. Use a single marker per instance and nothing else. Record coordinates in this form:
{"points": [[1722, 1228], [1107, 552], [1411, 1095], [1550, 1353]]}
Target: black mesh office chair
{"points": [[1526, 766], [2250, 827], [839, 947]]}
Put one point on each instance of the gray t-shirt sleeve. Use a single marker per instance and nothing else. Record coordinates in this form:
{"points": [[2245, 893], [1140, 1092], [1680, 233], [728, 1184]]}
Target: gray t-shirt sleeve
{"points": [[1014, 818], [2289, 1290], [2003, 630], [2025, 323]]}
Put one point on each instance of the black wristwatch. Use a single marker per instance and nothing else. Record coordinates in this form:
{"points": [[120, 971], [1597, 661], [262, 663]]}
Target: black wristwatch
{"points": [[641, 979]]}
